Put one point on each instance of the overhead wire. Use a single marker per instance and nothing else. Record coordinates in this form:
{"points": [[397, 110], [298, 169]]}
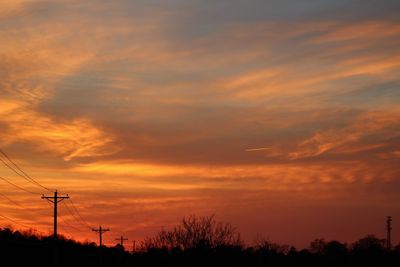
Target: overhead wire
{"points": [[12, 201], [20, 171], [79, 214], [62, 220], [21, 206], [67, 224], [14, 221], [22, 224], [63, 227], [74, 216], [11, 168], [24, 208], [17, 186]]}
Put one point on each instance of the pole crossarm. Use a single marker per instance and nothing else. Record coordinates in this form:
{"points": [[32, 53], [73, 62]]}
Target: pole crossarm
{"points": [[51, 199]]}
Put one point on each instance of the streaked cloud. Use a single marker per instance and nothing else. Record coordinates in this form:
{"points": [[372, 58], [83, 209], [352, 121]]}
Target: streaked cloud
{"points": [[382, 124]]}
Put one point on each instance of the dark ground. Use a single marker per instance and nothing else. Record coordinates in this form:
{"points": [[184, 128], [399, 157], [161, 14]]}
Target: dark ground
{"points": [[26, 249]]}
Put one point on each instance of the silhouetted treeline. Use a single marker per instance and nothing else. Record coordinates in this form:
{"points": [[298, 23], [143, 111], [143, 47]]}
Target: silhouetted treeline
{"points": [[197, 241], [28, 249]]}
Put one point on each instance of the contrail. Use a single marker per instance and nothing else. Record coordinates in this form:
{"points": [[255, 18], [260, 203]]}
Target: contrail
{"points": [[258, 149]]}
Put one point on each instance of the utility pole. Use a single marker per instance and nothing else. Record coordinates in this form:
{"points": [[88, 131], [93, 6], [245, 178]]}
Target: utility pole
{"points": [[389, 232], [55, 200], [101, 230], [121, 241]]}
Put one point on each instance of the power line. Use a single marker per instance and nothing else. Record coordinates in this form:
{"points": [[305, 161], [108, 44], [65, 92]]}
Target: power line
{"points": [[67, 224], [17, 186], [71, 213], [23, 225], [21, 206], [80, 219], [79, 214], [64, 230], [14, 221], [20, 172], [11, 168], [24, 174], [12, 201], [74, 216]]}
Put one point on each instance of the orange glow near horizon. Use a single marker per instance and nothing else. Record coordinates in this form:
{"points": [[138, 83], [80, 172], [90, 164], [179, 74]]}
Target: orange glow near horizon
{"points": [[285, 127]]}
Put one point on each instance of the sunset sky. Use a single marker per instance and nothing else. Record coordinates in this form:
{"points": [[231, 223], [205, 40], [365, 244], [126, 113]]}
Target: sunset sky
{"points": [[281, 117]]}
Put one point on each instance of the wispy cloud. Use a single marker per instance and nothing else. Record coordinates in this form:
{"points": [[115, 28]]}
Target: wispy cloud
{"points": [[367, 124]]}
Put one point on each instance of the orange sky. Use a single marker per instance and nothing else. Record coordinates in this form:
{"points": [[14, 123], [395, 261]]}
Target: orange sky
{"points": [[147, 111]]}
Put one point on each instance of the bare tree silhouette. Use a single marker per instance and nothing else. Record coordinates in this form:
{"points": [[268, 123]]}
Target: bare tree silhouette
{"points": [[195, 232]]}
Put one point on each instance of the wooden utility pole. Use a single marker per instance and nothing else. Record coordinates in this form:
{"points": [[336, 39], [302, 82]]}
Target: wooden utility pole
{"points": [[101, 230], [121, 241], [55, 200], [389, 232]]}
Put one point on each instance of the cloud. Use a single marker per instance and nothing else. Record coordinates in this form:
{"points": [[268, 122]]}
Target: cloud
{"points": [[78, 138], [146, 108], [374, 123], [368, 30], [32, 69]]}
